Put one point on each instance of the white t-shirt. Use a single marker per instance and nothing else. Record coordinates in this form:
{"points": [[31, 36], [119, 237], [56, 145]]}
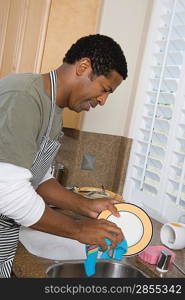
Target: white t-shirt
{"points": [[18, 199]]}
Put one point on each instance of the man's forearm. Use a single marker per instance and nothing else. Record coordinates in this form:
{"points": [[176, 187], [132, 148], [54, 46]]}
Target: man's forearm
{"points": [[87, 231], [57, 223], [55, 194]]}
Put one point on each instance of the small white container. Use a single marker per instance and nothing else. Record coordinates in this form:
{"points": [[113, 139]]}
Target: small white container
{"points": [[173, 235]]}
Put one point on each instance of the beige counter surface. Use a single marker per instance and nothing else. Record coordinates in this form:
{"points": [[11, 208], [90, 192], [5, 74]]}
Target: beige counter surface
{"points": [[27, 265]]}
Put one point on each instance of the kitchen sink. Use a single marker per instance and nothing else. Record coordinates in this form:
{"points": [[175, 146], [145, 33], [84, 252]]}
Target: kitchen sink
{"points": [[104, 269]]}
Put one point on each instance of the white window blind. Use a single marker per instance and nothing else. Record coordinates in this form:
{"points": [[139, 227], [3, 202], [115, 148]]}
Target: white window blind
{"points": [[156, 171]]}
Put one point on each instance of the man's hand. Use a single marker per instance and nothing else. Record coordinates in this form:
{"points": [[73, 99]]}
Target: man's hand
{"points": [[95, 232], [93, 207]]}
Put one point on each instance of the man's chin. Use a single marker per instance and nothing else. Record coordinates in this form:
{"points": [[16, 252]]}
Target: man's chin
{"points": [[73, 109]]}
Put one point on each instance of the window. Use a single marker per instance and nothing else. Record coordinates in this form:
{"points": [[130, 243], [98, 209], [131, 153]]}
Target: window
{"points": [[156, 172]]}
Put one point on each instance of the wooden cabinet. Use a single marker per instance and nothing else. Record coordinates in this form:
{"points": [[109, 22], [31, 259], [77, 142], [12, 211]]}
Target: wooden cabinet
{"points": [[35, 35], [68, 21], [23, 25]]}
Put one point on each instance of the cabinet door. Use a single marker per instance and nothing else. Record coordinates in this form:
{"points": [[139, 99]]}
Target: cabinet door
{"points": [[68, 21], [23, 26]]}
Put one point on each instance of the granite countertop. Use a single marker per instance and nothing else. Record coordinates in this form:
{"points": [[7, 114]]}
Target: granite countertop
{"points": [[27, 265]]}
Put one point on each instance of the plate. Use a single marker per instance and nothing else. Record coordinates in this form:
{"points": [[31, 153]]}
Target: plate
{"points": [[94, 192], [135, 224]]}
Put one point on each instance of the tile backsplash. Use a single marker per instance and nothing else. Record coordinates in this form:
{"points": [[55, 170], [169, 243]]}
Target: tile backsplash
{"points": [[111, 155]]}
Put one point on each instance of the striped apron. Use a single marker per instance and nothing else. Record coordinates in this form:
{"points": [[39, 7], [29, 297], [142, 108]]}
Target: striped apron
{"points": [[9, 229]]}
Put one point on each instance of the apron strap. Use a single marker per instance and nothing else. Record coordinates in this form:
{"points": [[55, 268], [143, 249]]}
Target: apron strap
{"points": [[53, 80]]}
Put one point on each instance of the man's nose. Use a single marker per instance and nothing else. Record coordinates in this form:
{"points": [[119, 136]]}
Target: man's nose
{"points": [[102, 98]]}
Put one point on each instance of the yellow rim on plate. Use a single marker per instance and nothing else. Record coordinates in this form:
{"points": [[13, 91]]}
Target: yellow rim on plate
{"points": [[145, 220], [109, 193]]}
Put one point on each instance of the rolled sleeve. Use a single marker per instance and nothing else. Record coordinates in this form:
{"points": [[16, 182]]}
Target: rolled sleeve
{"points": [[18, 199]]}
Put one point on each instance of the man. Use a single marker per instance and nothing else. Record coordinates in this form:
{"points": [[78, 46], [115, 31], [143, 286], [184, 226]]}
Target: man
{"points": [[30, 124]]}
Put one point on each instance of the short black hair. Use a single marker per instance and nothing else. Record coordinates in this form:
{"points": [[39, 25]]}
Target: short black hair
{"points": [[105, 54]]}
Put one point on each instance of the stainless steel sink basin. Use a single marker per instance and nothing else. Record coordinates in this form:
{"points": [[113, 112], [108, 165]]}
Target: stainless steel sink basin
{"points": [[104, 269]]}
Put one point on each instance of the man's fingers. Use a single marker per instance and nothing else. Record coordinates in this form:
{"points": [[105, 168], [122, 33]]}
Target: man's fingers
{"points": [[113, 210], [108, 225], [112, 227], [113, 232], [103, 245], [95, 232], [114, 240]]}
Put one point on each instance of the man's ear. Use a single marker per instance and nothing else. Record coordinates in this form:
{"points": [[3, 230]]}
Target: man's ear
{"points": [[83, 65]]}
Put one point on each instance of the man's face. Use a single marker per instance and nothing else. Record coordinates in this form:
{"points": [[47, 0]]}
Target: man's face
{"points": [[92, 91]]}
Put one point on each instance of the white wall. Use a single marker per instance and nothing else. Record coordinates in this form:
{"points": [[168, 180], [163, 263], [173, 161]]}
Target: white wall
{"points": [[126, 21]]}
